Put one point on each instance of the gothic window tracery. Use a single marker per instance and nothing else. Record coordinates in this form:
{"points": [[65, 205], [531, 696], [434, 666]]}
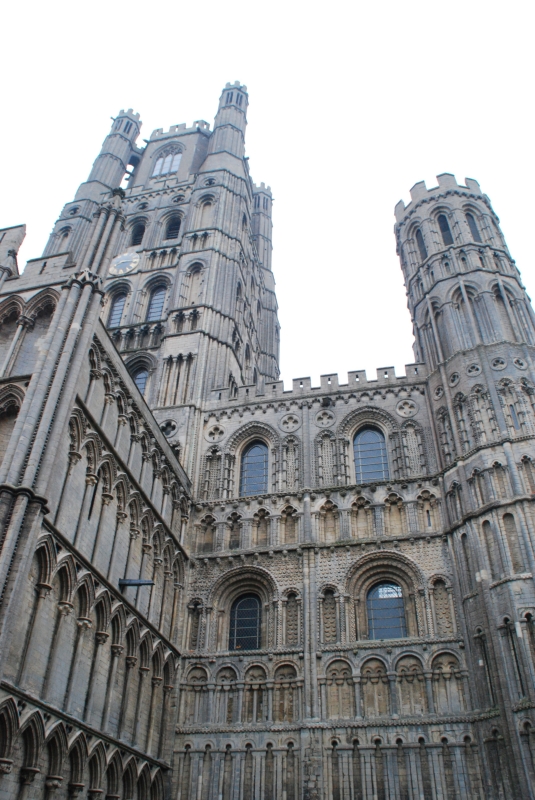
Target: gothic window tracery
{"points": [[168, 162]]}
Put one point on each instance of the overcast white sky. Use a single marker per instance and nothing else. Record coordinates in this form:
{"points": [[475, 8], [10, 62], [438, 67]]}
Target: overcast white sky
{"points": [[350, 105]]}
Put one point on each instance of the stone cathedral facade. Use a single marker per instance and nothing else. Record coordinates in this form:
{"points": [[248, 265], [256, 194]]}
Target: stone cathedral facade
{"points": [[215, 589]]}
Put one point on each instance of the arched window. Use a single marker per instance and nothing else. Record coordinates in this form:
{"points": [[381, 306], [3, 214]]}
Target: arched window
{"points": [[371, 463], [168, 162], [138, 232], [173, 227], [116, 310], [140, 379], [421, 244], [156, 302], [254, 470], [386, 612], [444, 226], [474, 230], [245, 623]]}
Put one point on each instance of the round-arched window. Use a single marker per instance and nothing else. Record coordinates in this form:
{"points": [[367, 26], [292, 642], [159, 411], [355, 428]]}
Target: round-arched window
{"points": [[386, 611], [138, 232], [116, 310], [245, 623], [156, 302], [371, 462], [140, 378], [173, 228], [254, 470]]}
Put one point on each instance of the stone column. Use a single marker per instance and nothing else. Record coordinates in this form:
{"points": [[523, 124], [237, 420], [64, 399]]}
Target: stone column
{"points": [[116, 651]]}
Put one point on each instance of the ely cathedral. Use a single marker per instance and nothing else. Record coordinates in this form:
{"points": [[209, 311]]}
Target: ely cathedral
{"points": [[215, 589]]}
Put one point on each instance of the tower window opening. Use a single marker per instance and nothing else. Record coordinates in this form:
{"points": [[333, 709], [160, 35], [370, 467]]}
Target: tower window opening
{"points": [[239, 99], [371, 463], [474, 230], [444, 226], [266, 203], [428, 516], [254, 470], [245, 623], [173, 228], [257, 202], [128, 127], [156, 302], [386, 612], [421, 244], [138, 233], [167, 163], [140, 379], [514, 417], [116, 311], [229, 98], [118, 124]]}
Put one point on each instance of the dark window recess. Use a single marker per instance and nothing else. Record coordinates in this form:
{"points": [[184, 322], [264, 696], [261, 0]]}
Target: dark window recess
{"points": [[138, 233], [444, 226], [173, 228], [128, 127], [254, 470], [116, 311], [371, 462], [155, 309], [474, 230], [386, 612], [140, 379], [421, 244], [245, 623]]}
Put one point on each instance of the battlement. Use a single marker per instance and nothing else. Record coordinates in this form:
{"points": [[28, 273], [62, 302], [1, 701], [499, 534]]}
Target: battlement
{"points": [[175, 130], [446, 182], [386, 377], [130, 113], [236, 85], [262, 189]]}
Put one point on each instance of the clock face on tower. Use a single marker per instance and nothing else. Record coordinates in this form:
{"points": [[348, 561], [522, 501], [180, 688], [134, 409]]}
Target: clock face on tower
{"points": [[124, 263]]}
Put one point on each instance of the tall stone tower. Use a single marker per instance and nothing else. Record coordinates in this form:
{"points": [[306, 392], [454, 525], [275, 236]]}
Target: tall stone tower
{"points": [[213, 588]]}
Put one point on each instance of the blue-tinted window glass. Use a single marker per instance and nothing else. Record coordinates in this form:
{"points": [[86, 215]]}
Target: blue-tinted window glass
{"points": [[116, 312], [254, 470], [386, 612], [156, 304], [371, 463], [245, 623], [140, 379]]}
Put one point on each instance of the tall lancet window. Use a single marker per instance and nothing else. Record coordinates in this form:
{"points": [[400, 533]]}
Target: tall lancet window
{"points": [[116, 311], [421, 244], [245, 623], [474, 230], [444, 226], [371, 462], [156, 302], [254, 470]]}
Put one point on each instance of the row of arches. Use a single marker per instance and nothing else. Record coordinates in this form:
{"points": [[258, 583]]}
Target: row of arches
{"points": [[363, 519], [23, 325], [80, 649], [57, 762]]}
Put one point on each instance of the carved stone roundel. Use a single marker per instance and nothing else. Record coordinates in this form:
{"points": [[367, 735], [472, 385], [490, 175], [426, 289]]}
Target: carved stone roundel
{"points": [[324, 419], [407, 408], [498, 363], [439, 392], [519, 363], [453, 379], [215, 433], [473, 369], [289, 423]]}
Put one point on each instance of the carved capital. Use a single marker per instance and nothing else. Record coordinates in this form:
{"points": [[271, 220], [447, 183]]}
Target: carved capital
{"points": [[43, 590], [101, 637], [27, 775], [84, 623], [5, 766], [131, 661], [116, 650], [53, 782], [65, 608]]}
